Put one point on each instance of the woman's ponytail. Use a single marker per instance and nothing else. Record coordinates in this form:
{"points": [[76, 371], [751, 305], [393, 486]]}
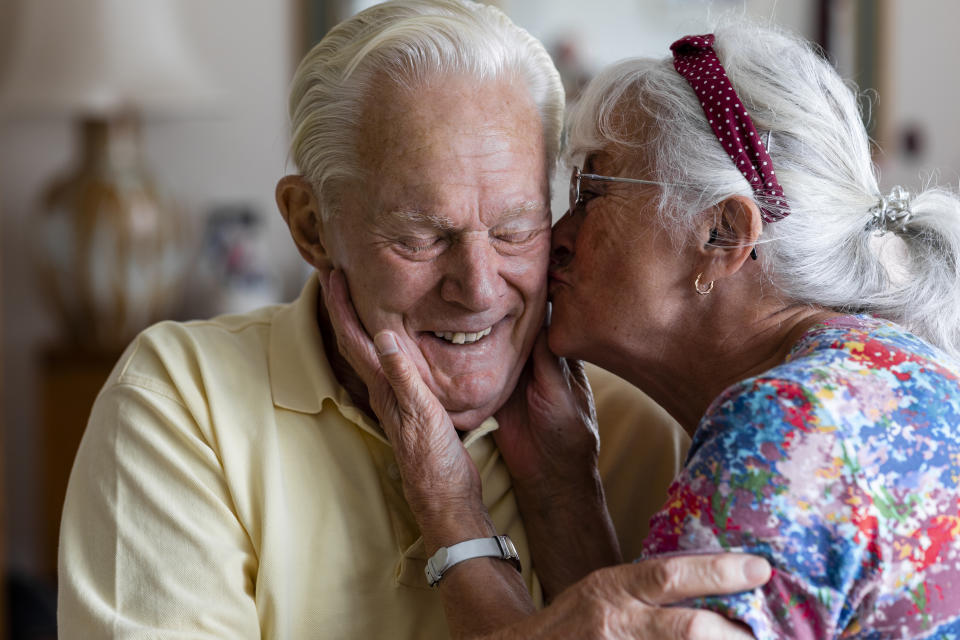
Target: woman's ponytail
{"points": [[923, 292]]}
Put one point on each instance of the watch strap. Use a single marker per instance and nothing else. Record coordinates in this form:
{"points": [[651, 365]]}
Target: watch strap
{"points": [[496, 547]]}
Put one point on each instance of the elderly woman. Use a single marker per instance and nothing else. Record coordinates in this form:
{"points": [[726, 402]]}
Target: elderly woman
{"points": [[728, 250]]}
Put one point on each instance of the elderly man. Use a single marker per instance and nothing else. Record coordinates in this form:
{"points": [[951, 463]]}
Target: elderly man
{"points": [[233, 482]]}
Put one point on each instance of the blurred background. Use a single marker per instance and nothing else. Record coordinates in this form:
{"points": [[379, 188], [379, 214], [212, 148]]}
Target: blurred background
{"points": [[140, 142]]}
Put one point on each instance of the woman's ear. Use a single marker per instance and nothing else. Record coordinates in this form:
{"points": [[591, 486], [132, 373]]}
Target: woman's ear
{"points": [[730, 235], [301, 211]]}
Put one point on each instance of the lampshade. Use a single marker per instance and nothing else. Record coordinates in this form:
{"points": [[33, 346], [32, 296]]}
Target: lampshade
{"points": [[112, 240], [98, 57]]}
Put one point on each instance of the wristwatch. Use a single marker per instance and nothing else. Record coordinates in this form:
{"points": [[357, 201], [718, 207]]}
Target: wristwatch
{"points": [[445, 557]]}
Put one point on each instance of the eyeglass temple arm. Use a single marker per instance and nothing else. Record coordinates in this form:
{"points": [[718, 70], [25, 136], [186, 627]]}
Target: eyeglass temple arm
{"points": [[593, 176]]}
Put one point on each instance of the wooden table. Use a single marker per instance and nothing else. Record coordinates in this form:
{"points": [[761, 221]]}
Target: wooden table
{"points": [[69, 380]]}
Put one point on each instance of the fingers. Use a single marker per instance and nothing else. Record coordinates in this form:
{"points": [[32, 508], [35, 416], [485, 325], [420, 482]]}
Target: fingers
{"points": [[413, 398], [660, 581], [551, 382], [352, 339], [694, 624], [546, 365], [603, 600], [561, 389], [552, 369]]}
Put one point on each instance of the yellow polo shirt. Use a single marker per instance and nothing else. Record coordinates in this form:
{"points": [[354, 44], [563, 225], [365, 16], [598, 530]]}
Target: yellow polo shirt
{"points": [[226, 487]]}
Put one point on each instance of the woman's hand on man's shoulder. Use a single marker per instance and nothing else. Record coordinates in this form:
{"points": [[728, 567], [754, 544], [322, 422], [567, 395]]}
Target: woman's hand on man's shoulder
{"points": [[629, 601]]}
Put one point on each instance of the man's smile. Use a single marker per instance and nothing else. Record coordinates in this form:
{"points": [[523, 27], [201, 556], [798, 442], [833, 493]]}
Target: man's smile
{"points": [[463, 337]]}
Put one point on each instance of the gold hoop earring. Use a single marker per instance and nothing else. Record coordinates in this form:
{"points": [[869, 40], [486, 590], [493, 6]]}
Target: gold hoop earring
{"points": [[696, 286]]}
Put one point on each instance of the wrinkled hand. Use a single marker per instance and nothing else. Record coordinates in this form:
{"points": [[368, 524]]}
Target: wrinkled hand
{"points": [[627, 601], [548, 439], [438, 474], [548, 428]]}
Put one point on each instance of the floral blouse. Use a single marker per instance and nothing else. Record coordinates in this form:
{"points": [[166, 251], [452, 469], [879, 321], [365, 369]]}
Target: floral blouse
{"points": [[842, 467]]}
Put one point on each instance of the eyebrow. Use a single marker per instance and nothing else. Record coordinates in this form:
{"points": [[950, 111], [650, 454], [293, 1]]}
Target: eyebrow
{"points": [[523, 209], [421, 217], [415, 217]]}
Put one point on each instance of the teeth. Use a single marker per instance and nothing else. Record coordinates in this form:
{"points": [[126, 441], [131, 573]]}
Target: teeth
{"points": [[462, 337]]}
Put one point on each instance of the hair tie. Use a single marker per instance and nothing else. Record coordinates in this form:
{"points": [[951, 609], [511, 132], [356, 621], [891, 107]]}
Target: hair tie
{"points": [[695, 60], [891, 213]]}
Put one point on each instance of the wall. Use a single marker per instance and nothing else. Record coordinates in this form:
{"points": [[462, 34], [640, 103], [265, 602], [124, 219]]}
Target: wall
{"points": [[608, 30], [921, 94], [235, 155]]}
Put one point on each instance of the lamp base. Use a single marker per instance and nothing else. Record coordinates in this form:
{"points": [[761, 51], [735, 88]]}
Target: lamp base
{"points": [[113, 248]]}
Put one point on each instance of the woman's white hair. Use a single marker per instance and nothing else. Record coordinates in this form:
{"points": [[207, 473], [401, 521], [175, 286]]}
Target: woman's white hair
{"points": [[407, 42], [825, 252]]}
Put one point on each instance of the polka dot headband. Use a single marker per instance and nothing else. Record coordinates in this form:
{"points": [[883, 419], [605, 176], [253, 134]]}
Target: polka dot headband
{"points": [[695, 60]]}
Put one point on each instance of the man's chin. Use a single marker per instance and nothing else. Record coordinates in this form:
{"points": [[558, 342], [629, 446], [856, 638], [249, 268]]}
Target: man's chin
{"points": [[475, 393], [471, 412], [469, 420], [470, 396]]}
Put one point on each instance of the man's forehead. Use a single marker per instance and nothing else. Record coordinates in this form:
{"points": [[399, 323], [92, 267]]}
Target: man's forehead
{"points": [[453, 151], [409, 120]]}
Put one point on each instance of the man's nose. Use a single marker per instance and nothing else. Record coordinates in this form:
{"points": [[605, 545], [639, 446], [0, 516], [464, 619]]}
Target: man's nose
{"points": [[472, 274], [562, 240]]}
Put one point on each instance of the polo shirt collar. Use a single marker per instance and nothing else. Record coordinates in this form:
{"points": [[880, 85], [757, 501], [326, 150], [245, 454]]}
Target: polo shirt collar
{"points": [[300, 375]]}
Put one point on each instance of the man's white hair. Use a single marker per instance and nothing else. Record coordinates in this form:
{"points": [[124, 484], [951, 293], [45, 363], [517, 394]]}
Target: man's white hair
{"points": [[825, 252], [407, 42]]}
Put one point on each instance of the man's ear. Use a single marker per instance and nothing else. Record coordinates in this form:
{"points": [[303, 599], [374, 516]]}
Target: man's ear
{"points": [[301, 211], [728, 236]]}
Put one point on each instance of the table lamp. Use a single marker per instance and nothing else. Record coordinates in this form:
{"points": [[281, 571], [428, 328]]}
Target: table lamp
{"points": [[113, 250]]}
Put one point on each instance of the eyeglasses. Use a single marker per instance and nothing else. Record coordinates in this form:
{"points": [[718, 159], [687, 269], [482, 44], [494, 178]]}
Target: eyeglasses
{"points": [[576, 177]]}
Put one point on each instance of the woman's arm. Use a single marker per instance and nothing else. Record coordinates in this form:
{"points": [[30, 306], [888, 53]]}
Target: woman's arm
{"points": [[766, 477], [549, 440]]}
